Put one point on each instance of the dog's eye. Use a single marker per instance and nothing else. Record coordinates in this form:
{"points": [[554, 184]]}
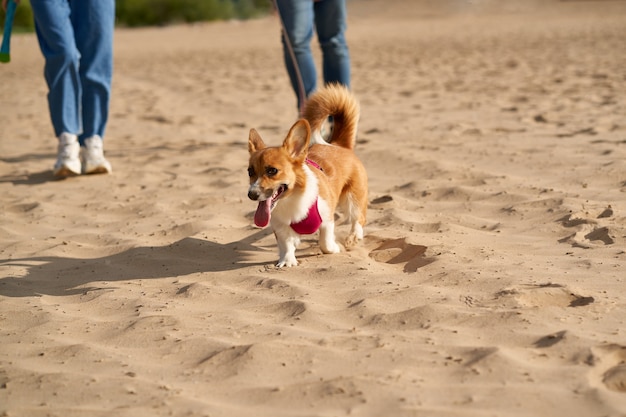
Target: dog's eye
{"points": [[271, 171], [251, 172]]}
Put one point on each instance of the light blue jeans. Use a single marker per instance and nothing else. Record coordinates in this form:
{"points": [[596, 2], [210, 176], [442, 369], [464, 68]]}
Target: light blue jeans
{"points": [[76, 39], [328, 18]]}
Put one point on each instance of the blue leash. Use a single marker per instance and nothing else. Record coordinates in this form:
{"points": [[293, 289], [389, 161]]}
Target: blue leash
{"points": [[5, 49], [301, 92]]}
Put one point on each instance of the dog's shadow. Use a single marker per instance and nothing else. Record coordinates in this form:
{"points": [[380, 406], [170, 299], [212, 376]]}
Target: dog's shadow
{"points": [[60, 276]]}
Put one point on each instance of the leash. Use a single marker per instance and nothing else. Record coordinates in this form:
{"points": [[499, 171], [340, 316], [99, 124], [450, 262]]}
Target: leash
{"points": [[301, 93]]}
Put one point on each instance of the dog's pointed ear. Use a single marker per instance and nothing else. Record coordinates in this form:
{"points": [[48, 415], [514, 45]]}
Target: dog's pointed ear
{"points": [[255, 143], [297, 141]]}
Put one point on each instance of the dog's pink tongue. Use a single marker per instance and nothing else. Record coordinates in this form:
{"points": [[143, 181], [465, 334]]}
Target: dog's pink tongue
{"points": [[262, 215]]}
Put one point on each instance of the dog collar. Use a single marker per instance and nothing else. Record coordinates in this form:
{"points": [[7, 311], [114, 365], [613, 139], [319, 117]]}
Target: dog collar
{"points": [[313, 164], [310, 223]]}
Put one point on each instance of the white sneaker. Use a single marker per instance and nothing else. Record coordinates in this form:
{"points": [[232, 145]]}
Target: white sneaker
{"points": [[68, 161], [94, 161]]}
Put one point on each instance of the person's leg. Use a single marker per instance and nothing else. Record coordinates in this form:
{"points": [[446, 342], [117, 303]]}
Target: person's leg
{"points": [[56, 40], [330, 23], [297, 19], [93, 22]]}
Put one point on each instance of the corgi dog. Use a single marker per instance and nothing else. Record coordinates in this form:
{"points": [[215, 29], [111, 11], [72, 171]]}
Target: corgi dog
{"points": [[300, 184]]}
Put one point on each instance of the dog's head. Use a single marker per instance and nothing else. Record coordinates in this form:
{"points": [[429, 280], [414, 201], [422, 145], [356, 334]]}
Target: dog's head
{"points": [[275, 172]]}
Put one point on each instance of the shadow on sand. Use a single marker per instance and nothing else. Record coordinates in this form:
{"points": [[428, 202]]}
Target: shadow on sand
{"points": [[60, 276]]}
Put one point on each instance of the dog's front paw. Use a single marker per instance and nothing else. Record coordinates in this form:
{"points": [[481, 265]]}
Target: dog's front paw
{"points": [[287, 261]]}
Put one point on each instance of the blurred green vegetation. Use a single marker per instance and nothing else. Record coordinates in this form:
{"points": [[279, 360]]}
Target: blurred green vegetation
{"points": [[135, 13], [162, 12], [23, 20]]}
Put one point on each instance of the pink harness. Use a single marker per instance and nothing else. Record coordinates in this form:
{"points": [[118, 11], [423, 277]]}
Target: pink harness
{"points": [[311, 223]]}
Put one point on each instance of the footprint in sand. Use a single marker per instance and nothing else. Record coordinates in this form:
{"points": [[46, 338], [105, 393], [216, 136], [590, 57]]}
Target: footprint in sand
{"points": [[609, 362], [543, 295], [550, 340], [227, 361], [279, 312], [615, 378], [399, 251], [588, 232]]}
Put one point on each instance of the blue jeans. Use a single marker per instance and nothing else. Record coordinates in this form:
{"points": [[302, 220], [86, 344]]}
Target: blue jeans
{"points": [[76, 39], [328, 18]]}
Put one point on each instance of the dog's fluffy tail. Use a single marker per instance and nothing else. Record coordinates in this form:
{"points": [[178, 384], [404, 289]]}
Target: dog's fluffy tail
{"points": [[337, 101]]}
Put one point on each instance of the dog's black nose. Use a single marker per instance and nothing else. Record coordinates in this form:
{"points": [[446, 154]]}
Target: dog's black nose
{"points": [[253, 195]]}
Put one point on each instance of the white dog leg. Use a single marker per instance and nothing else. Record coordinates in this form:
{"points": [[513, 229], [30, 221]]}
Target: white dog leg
{"points": [[287, 250], [327, 238]]}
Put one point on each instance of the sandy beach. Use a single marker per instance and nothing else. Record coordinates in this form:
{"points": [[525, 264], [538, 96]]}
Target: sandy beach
{"points": [[491, 280]]}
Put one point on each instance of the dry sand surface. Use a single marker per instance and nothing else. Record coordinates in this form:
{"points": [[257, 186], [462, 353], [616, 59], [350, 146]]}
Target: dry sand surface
{"points": [[492, 277]]}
